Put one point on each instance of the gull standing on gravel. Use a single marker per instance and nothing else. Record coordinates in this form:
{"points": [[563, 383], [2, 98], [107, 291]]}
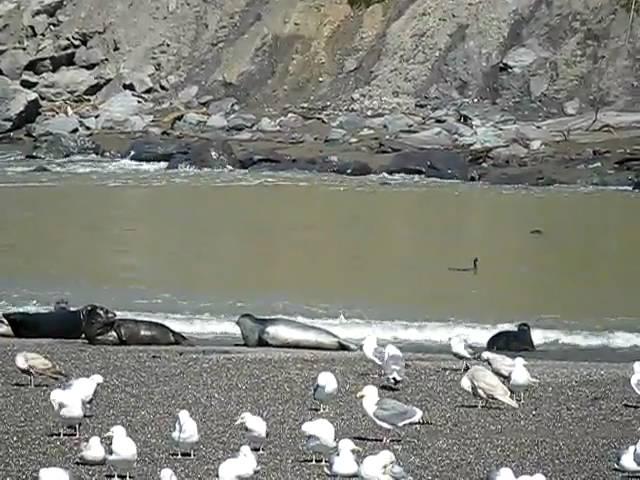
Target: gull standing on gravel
{"points": [[485, 385], [255, 428], [462, 351], [67, 408], [32, 364], [54, 473], [242, 466], [124, 452], [85, 387], [501, 365], [372, 351], [635, 378], [167, 474], [393, 364], [343, 463], [325, 388], [185, 435], [92, 452], [382, 466], [387, 412], [320, 438], [520, 378]]}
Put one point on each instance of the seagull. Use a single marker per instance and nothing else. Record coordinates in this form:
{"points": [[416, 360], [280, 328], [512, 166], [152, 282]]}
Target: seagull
{"points": [[242, 466], [505, 473], [485, 385], [124, 452], [85, 387], [92, 452], [31, 364], [256, 429], [54, 473], [325, 388], [68, 410], [520, 378], [343, 464], [185, 434], [462, 351], [167, 474], [320, 438], [635, 378], [501, 365], [372, 351], [387, 412], [381, 466], [627, 461], [393, 364]]}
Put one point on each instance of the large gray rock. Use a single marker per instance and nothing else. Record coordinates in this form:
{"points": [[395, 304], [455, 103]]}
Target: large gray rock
{"points": [[89, 57], [572, 107], [67, 83], [139, 80], [241, 121], [336, 135], [267, 125], [58, 124], [188, 94], [180, 153], [122, 112], [520, 58], [291, 121], [443, 164], [350, 121], [45, 7], [399, 122], [217, 121], [433, 137], [18, 106], [225, 106], [12, 63]]}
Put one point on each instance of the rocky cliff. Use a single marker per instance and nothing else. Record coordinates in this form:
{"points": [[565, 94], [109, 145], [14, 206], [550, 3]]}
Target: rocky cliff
{"points": [[496, 60]]}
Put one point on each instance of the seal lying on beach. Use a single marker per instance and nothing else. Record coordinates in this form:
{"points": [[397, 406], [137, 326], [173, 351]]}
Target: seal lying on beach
{"points": [[62, 322], [512, 340], [280, 332], [101, 329]]}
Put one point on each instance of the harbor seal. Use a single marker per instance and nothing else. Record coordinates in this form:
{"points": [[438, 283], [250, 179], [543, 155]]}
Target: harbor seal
{"points": [[62, 323], [512, 340], [100, 329], [283, 333]]}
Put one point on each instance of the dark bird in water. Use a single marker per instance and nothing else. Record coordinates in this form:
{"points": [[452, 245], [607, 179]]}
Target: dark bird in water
{"points": [[536, 231], [473, 269]]}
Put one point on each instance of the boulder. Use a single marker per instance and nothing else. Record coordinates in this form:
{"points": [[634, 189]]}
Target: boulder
{"points": [[571, 107], [398, 122], [267, 125], [12, 63], [45, 7], [435, 163], [122, 112], [350, 121], [217, 121], [225, 106], [58, 124], [336, 135], [89, 57], [241, 121], [291, 121], [62, 145], [188, 94], [179, 153], [18, 106], [433, 137], [67, 83]]}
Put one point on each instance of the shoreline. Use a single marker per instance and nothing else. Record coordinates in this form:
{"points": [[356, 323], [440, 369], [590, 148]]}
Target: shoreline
{"points": [[570, 426]]}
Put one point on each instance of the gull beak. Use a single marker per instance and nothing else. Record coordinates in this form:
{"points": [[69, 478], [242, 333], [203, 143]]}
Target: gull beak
{"points": [[357, 448], [360, 394], [238, 421]]}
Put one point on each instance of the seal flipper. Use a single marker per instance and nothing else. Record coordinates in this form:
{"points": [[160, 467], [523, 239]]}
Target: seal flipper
{"points": [[181, 339], [350, 347]]}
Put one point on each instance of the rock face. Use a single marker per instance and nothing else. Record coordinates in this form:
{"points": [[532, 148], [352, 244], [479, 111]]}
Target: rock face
{"points": [[67, 83], [18, 106], [122, 112], [197, 154]]}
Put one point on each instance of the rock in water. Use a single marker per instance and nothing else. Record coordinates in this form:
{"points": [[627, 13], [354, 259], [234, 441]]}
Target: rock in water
{"points": [[18, 106]]}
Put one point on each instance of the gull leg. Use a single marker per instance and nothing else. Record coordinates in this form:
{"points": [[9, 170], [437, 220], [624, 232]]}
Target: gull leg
{"points": [[77, 431], [31, 382]]}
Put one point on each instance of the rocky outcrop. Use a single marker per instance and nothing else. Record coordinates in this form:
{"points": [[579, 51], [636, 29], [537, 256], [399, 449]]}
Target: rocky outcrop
{"points": [[18, 106]]}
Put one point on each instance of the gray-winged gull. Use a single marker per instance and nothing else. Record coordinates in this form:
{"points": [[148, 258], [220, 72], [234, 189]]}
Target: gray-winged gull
{"points": [[85, 387], [501, 365], [255, 428], [343, 463], [325, 388], [68, 409], [167, 474], [635, 378], [124, 452], [244, 465], [185, 435], [320, 438], [485, 385], [32, 364], [387, 412], [92, 452], [462, 351], [393, 364], [520, 378]]}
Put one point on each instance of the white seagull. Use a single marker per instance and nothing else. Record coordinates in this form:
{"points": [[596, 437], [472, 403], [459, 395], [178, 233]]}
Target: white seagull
{"points": [[255, 428], [393, 364], [343, 463], [185, 435], [242, 466], [635, 378], [67, 408], [520, 378], [462, 351], [387, 412], [325, 388], [320, 438], [501, 365], [485, 385], [167, 474], [92, 452], [124, 452], [85, 387], [372, 351], [54, 473]]}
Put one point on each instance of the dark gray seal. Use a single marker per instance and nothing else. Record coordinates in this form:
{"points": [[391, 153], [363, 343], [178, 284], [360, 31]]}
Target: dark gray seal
{"points": [[100, 329], [61, 323], [512, 340], [283, 333]]}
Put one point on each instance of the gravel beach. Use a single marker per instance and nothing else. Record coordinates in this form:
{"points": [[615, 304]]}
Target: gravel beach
{"points": [[570, 426]]}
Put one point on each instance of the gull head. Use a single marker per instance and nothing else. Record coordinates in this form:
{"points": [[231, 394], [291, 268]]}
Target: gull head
{"points": [[386, 457], [94, 442], [183, 415], [117, 431], [485, 356], [243, 418], [326, 379], [167, 474], [245, 451], [347, 445], [21, 361], [97, 378], [370, 391], [519, 362]]}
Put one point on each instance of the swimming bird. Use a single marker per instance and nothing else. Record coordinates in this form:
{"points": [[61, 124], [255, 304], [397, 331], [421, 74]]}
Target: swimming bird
{"points": [[85, 387], [92, 452], [236, 468], [372, 351], [473, 269], [54, 473], [325, 388], [461, 350], [185, 434], [393, 364], [635, 378], [256, 430], [124, 453], [167, 474], [320, 438], [520, 378], [67, 408], [387, 412], [343, 463], [500, 364], [32, 364], [485, 385]]}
